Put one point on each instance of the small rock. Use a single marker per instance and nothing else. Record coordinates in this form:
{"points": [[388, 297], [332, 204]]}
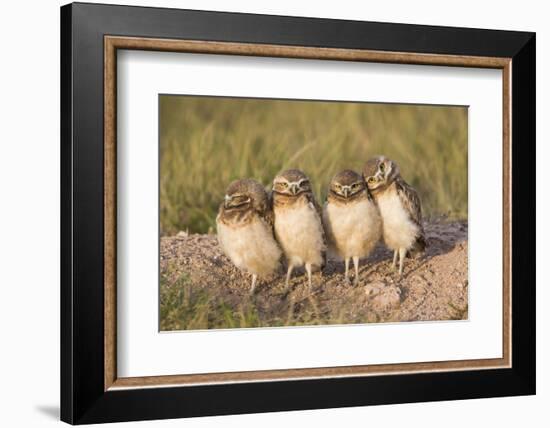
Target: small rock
{"points": [[374, 288], [389, 297]]}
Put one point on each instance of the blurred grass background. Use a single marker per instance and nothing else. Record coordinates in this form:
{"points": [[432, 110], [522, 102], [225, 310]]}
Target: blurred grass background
{"points": [[206, 142]]}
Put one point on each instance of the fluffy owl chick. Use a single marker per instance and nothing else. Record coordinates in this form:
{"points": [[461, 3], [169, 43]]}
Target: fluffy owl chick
{"points": [[352, 220], [298, 225], [399, 206], [245, 229]]}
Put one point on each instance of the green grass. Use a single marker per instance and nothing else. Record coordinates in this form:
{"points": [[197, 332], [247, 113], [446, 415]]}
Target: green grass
{"points": [[206, 142], [188, 306]]}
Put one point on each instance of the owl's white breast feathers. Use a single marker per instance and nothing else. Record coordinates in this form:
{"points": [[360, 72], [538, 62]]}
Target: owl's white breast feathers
{"points": [[299, 231], [250, 247], [399, 230], [353, 228]]}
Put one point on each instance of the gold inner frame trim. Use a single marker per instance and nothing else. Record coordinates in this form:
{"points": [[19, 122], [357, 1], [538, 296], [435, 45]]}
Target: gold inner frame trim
{"points": [[113, 43]]}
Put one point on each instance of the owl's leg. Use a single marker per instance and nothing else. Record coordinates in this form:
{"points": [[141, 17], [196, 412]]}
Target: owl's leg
{"points": [[356, 264], [308, 269], [346, 262], [394, 259], [288, 273], [253, 286], [402, 254]]}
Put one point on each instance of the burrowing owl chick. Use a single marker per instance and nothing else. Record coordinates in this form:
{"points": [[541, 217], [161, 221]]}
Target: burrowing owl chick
{"points": [[399, 206], [352, 220], [245, 229], [298, 226]]}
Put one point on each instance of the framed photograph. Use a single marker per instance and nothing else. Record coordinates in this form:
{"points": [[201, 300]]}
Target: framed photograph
{"points": [[266, 213]]}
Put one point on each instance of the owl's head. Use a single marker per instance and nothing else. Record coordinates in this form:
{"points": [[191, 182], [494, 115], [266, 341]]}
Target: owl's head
{"points": [[347, 185], [244, 194], [291, 182], [380, 172]]}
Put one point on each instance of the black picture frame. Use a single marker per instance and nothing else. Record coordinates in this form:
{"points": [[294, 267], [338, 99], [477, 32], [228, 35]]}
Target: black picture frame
{"points": [[83, 399]]}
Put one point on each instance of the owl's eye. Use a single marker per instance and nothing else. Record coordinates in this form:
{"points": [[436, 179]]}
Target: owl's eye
{"points": [[382, 167], [370, 180], [284, 184]]}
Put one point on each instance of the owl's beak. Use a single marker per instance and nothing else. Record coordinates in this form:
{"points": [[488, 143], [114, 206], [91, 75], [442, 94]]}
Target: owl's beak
{"points": [[294, 188], [346, 191]]}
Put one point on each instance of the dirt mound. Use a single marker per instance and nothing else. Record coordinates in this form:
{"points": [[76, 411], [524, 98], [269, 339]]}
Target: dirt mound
{"points": [[201, 288]]}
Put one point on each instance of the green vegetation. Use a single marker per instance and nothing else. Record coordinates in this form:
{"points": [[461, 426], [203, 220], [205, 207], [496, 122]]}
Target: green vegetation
{"points": [[205, 143], [188, 306]]}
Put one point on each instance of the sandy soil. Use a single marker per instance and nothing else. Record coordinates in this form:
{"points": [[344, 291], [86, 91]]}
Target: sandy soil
{"points": [[433, 287]]}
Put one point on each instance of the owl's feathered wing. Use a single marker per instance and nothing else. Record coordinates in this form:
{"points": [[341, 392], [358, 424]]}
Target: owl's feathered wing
{"points": [[411, 202], [265, 211], [313, 203]]}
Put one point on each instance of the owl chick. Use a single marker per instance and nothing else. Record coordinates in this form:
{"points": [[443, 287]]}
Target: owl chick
{"points": [[245, 229], [351, 219], [399, 206], [298, 226]]}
